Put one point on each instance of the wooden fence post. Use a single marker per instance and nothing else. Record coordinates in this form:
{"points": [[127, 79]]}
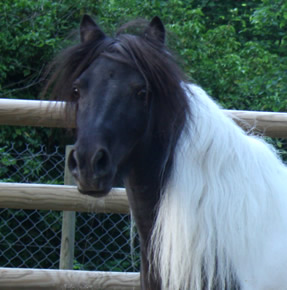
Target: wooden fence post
{"points": [[68, 224]]}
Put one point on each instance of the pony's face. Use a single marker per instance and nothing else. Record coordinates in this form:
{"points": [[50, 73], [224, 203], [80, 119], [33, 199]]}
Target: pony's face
{"points": [[112, 108], [131, 106], [111, 118]]}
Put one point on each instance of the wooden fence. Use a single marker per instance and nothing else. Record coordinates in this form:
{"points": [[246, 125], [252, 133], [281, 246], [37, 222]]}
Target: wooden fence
{"points": [[66, 198], [16, 278], [51, 114]]}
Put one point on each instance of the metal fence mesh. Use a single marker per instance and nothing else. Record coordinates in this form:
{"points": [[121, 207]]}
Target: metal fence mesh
{"points": [[32, 238]]}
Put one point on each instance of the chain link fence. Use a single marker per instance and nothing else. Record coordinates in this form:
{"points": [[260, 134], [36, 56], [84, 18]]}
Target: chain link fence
{"points": [[32, 238]]}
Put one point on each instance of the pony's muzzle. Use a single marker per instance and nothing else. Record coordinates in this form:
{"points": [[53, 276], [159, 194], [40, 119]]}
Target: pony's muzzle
{"points": [[92, 177]]}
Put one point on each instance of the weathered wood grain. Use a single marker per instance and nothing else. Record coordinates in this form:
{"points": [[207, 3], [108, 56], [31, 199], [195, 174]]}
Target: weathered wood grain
{"points": [[60, 197], [34, 113], [34, 279], [265, 123], [68, 224]]}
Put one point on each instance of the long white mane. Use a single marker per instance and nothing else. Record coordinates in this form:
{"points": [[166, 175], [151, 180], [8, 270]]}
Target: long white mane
{"points": [[223, 215]]}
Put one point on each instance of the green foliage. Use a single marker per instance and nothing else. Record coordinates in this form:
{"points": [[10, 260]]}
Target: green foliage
{"points": [[30, 229], [108, 239], [236, 50], [32, 165], [270, 24], [31, 33]]}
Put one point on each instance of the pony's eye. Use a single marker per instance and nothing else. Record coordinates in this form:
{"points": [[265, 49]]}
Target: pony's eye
{"points": [[76, 93], [141, 94]]}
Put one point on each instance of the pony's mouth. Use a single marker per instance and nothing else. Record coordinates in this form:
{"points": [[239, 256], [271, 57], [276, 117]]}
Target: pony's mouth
{"points": [[95, 193], [96, 187]]}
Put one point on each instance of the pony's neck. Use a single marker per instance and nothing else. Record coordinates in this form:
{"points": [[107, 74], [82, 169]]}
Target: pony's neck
{"points": [[150, 167], [143, 183], [143, 186]]}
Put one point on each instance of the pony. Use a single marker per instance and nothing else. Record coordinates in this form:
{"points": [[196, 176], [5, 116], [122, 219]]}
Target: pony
{"points": [[209, 201]]}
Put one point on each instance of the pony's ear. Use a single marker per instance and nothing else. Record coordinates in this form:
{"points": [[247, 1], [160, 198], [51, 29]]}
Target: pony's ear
{"points": [[155, 30], [89, 30]]}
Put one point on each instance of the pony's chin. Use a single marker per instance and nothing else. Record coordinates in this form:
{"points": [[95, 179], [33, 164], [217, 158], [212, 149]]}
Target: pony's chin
{"points": [[95, 193]]}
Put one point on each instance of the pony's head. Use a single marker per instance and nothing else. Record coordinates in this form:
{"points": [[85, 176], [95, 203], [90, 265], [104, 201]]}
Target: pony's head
{"points": [[128, 95]]}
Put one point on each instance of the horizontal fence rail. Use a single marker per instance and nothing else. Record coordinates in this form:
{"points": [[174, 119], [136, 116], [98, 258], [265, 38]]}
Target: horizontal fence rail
{"points": [[34, 279], [51, 114], [266, 123], [34, 113], [61, 198]]}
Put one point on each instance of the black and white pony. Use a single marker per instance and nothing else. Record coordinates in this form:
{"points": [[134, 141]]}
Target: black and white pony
{"points": [[209, 202]]}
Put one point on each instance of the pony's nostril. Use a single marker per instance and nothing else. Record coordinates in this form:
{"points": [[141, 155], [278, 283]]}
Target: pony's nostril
{"points": [[100, 162], [72, 163], [99, 156]]}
